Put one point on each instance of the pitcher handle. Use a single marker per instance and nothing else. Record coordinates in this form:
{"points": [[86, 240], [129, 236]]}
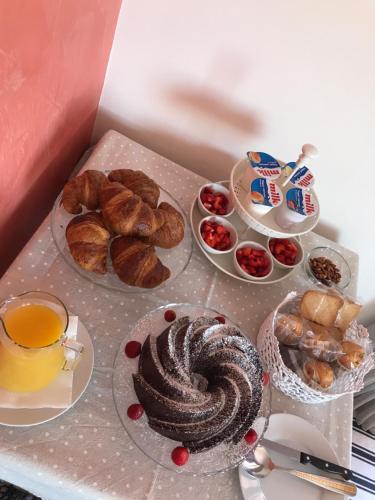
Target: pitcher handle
{"points": [[73, 357]]}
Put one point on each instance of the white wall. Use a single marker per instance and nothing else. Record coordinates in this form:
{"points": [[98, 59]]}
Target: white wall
{"points": [[201, 82]]}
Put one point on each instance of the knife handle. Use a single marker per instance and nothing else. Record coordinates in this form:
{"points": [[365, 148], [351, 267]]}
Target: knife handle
{"points": [[326, 466], [327, 483]]}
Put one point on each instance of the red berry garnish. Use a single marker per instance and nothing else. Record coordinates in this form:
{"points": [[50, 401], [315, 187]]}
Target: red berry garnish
{"points": [[214, 202], [251, 436], [133, 349], [266, 378], [135, 411], [253, 261], [284, 250], [169, 315], [180, 455], [216, 235], [220, 319]]}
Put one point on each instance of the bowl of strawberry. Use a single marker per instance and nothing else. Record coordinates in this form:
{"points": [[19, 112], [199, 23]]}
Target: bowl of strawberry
{"points": [[217, 235], [286, 252], [215, 199], [252, 260]]}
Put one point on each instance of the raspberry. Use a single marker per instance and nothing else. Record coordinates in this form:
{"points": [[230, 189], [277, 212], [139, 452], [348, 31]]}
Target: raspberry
{"points": [[180, 455], [251, 436], [133, 349], [220, 319], [135, 411], [169, 315]]}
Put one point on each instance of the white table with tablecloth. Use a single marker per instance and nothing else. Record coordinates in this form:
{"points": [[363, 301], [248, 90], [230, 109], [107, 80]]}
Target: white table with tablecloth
{"points": [[86, 453]]}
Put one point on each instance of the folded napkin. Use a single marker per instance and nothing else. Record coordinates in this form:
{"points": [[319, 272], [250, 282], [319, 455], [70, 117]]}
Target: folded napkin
{"points": [[56, 395]]}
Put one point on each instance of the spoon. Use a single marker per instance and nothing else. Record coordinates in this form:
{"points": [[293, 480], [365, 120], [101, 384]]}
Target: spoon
{"points": [[259, 464]]}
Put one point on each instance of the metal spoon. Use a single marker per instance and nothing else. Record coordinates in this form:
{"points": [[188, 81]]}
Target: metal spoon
{"points": [[259, 464]]}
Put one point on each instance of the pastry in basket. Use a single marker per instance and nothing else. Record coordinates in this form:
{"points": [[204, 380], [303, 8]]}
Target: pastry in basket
{"points": [[136, 263], [347, 313], [288, 329], [88, 241], [318, 372], [171, 232], [328, 309], [126, 213], [139, 183], [320, 307], [320, 346], [83, 190], [200, 383], [332, 331], [353, 357]]}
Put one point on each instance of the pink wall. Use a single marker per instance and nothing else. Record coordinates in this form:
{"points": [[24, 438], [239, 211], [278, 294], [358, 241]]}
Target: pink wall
{"points": [[53, 57]]}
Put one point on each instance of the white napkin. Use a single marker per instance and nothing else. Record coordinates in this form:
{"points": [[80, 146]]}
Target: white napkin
{"points": [[56, 395]]}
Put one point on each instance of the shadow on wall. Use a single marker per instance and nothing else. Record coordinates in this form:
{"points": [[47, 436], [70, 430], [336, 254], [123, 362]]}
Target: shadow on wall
{"points": [[199, 109], [198, 157], [203, 103], [58, 155]]}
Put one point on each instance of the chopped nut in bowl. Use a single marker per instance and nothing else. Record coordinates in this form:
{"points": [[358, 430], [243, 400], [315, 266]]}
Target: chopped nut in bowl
{"points": [[328, 267]]}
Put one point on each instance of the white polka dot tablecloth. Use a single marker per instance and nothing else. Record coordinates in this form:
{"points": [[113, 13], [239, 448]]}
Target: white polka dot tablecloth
{"points": [[86, 453]]}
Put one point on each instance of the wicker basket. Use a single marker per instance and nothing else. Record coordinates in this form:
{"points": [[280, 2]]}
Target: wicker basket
{"points": [[289, 382]]}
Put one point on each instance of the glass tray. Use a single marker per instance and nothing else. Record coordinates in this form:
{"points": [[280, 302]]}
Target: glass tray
{"points": [[152, 444], [176, 259]]}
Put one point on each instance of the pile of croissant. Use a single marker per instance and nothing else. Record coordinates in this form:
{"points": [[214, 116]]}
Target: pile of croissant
{"points": [[125, 219]]}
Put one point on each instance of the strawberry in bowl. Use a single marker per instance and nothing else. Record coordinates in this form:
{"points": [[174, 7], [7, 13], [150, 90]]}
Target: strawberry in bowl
{"points": [[252, 261], [215, 199], [217, 235], [286, 252]]}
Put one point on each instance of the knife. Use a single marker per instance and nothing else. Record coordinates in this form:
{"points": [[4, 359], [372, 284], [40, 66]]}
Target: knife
{"points": [[306, 458]]}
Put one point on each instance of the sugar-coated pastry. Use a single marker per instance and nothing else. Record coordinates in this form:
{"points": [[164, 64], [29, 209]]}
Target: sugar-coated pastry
{"points": [[319, 372], [353, 357], [288, 329], [321, 307]]}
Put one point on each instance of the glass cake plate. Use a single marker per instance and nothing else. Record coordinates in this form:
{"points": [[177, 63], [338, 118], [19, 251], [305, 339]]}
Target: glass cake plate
{"points": [[176, 259], [219, 459]]}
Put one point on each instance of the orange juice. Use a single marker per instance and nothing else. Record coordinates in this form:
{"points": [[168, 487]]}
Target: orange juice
{"points": [[33, 325], [30, 362]]}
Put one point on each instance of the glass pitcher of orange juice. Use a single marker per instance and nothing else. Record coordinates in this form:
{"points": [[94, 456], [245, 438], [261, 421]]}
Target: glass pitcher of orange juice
{"points": [[33, 341]]}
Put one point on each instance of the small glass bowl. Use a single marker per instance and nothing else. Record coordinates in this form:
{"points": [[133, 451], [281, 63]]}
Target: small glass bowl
{"points": [[334, 257]]}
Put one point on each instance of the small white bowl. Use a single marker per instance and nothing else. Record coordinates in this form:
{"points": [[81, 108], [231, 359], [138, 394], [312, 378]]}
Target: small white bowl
{"points": [[239, 269], [227, 225], [299, 258], [218, 188]]}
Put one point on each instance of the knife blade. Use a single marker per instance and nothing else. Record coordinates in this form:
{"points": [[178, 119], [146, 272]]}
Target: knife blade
{"points": [[306, 458]]}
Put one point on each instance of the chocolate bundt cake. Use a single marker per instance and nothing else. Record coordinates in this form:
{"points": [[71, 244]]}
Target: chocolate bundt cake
{"points": [[200, 382]]}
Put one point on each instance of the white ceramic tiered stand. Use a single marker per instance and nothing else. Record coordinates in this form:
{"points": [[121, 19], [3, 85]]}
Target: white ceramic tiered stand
{"points": [[266, 224]]}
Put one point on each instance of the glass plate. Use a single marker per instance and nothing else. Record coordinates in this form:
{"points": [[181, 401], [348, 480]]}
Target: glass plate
{"points": [[176, 259], [157, 447]]}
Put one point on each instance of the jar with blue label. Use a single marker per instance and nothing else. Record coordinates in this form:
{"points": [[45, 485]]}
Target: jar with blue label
{"points": [[264, 195], [261, 165], [298, 205]]}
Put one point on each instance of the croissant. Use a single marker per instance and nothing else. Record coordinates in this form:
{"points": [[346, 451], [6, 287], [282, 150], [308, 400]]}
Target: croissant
{"points": [[125, 212], [83, 190], [353, 356], [319, 372], [88, 241], [171, 232], [139, 183], [136, 263]]}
